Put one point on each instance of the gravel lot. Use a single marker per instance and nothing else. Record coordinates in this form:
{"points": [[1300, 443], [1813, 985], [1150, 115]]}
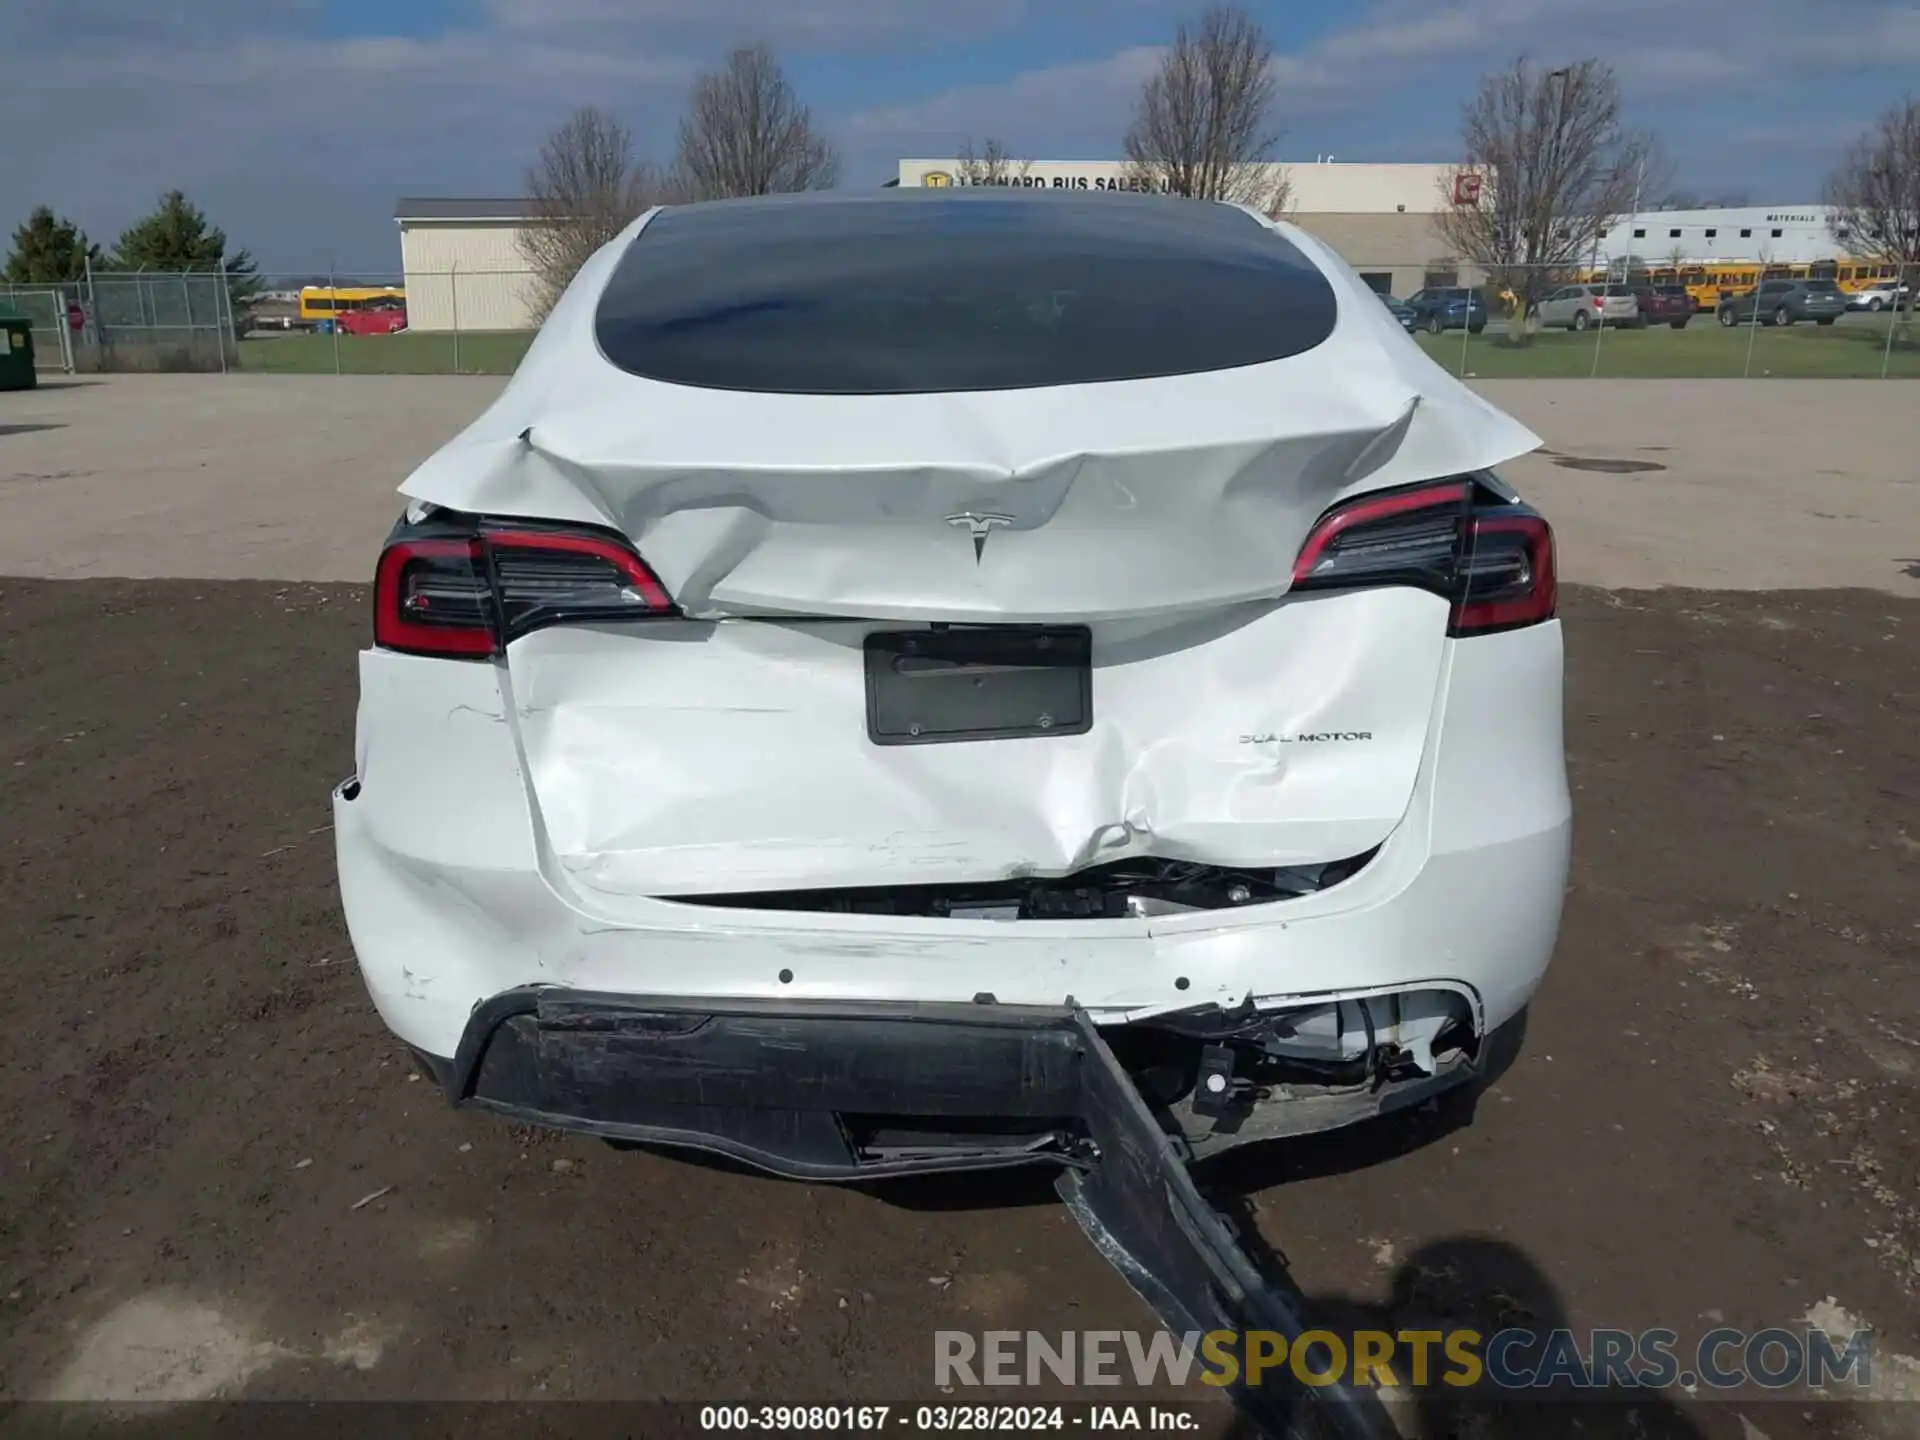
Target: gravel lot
{"points": [[1713, 1118], [1720, 484]]}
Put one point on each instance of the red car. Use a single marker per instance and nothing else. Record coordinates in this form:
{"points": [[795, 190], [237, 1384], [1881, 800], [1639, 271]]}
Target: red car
{"points": [[386, 318], [1664, 305]]}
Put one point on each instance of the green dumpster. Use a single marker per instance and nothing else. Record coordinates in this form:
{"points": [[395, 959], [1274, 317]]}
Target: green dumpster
{"points": [[16, 351]]}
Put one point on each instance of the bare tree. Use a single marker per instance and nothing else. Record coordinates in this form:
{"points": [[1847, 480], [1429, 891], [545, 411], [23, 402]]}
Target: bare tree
{"points": [[992, 164], [585, 188], [746, 133], [1203, 125], [1875, 195], [1549, 169]]}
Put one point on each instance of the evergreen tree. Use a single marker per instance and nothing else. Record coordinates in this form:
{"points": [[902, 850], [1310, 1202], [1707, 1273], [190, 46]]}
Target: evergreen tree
{"points": [[49, 249], [176, 237]]}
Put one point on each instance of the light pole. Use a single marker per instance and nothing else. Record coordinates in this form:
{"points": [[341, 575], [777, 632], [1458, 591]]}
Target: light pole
{"points": [[1551, 162]]}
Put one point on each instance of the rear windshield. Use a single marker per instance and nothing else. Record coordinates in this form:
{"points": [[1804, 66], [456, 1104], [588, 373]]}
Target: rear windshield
{"points": [[909, 292], [1618, 290], [1824, 286]]}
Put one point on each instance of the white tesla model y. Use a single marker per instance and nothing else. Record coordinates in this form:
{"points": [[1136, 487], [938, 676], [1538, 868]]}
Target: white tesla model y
{"points": [[870, 628]]}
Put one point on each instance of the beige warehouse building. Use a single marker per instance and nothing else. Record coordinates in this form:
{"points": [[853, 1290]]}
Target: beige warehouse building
{"points": [[464, 267]]}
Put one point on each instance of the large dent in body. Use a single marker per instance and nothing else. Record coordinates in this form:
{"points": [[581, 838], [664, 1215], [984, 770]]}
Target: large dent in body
{"points": [[837, 504], [728, 757]]}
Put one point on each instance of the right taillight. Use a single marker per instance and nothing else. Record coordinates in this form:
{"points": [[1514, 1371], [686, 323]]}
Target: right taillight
{"points": [[1492, 558], [467, 595], [1507, 579], [430, 597]]}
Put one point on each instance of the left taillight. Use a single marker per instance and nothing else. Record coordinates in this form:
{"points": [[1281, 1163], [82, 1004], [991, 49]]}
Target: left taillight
{"points": [[1491, 557], [468, 596]]}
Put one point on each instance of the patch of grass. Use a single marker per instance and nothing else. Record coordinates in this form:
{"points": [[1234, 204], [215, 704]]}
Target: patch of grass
{"points": [[1853, 349], [411, 352]]}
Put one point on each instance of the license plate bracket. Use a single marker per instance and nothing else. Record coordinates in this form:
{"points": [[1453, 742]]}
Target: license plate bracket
{"points": [[929, 687]]}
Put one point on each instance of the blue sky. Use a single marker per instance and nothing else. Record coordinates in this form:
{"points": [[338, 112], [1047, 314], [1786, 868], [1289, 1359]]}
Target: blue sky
{"points": [[296, 123]]}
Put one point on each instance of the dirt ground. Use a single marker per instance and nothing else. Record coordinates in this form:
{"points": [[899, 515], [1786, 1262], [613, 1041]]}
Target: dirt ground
{"points": [[217, 1176], [1713, 1116]]}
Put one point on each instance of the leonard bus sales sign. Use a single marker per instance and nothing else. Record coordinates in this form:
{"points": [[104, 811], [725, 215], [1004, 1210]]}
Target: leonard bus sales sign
{"points": [[940, 179]]}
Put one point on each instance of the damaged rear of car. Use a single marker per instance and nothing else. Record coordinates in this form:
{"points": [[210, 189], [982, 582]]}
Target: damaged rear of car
{"points": [[871, 631]]}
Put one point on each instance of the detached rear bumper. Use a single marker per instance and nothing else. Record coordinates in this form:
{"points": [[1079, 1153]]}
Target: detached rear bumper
{"points": [[764, 1083], [826, 1090]]}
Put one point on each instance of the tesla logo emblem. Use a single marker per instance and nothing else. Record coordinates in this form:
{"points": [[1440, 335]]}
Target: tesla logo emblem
{"points": [[979, 527]]}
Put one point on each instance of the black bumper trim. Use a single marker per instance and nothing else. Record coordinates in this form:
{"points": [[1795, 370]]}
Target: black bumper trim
{"points": [[1139, 1206], [774, 1083]]}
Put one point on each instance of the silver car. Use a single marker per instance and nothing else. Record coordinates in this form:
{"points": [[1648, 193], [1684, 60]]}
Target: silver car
{"points": [[1875, 298], [1578, 306]]}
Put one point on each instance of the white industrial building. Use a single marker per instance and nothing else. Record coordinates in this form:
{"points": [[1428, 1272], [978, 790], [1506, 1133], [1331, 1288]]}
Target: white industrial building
{"points": [[464, 266], [1776, 234]]}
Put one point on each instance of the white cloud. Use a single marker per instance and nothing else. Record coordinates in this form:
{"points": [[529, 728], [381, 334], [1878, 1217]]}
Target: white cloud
{"points": [[300, 146], [300, 143], [854, 25], [1659, 68], [1090, 97], [1664, 54]]}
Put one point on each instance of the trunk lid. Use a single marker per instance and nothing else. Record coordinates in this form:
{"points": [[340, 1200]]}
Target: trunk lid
{"points": [[691, 758], [1074, 503], [1230, 724]]}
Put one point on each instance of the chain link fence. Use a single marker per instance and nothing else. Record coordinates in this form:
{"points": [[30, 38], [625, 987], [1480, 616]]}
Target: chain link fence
{"points": [[375, 322], [1706, 320], [45, 307], [110, 321], [479, 322], [1731, 320]]}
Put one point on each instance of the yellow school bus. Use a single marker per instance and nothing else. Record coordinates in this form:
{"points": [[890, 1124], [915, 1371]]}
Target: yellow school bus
{"points": [[325, 302], [1857, 275], [1711, 281]]}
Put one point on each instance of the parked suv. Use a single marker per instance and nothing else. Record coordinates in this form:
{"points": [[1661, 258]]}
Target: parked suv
{"points": [[1578, 306], [1781, 302], [1664, 305], [1875, 298], [1400, 310], [787, 703], [1448, 307]]}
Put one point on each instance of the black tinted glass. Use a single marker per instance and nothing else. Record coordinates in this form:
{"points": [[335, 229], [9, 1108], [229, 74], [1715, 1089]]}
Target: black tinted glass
{"points": [[909, 292]]}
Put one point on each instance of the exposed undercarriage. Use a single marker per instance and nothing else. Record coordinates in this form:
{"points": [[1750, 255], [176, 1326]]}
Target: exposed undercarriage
{"points": [[1118, 890]]}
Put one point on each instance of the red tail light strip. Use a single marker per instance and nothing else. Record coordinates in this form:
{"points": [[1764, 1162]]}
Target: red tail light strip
{"points": [[1537, 602], [393, 629], [1526, 539], [630, 566], [1368, 509], [468, 622]]}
